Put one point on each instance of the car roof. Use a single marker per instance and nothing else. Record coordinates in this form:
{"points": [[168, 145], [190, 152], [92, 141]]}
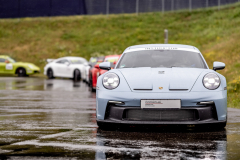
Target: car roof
{"points": [[149, 46], [72, 57], [4, 56]]}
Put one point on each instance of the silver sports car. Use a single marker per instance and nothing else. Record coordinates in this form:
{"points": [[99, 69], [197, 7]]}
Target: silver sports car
{"points": [[162, 84]]}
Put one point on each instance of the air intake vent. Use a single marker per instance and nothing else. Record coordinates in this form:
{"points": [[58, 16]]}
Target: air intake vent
{"points": [[161, 115]]}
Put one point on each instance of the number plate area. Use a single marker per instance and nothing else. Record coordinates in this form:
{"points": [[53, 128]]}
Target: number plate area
{"points": [[162, 103]]}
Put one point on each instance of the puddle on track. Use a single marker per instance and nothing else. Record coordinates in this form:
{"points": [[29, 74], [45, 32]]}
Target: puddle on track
{"points": [[55, 119]]}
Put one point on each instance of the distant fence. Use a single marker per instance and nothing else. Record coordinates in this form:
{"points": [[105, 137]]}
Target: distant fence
{"points": [[40, 8]]}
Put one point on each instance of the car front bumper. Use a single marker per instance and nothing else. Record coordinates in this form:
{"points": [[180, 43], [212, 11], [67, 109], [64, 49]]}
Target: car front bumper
{"points": [[190, 116], [189, 100], [30, 71]]}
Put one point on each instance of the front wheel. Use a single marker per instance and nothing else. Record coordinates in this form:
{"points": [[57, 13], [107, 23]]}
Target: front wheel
{"points": [[50, 74], [76, 76], [21, 72], [104, 127], [91, 85]]}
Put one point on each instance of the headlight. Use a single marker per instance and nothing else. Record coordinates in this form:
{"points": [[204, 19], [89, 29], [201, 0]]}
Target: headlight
{"points": [[211, 81], [111, 81]]}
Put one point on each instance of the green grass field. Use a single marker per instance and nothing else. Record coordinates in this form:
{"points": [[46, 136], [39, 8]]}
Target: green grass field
{"points": [[215, 33]]}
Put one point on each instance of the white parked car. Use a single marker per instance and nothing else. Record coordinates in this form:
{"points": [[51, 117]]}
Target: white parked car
{"points": [[67, 67]]}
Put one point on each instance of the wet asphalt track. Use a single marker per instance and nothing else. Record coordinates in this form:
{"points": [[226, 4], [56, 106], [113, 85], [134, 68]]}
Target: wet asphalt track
{"points": [[55, 119]]}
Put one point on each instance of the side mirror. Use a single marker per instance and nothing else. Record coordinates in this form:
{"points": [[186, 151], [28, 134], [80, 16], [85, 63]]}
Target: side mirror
{"points": [[7, 61], [85, 64], [96, 66], [218, 66], [105, 65], [67, 63]]}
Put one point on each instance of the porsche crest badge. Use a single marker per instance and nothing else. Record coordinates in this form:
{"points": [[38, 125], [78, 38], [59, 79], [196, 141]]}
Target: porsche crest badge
{"points": [[160, 88]]}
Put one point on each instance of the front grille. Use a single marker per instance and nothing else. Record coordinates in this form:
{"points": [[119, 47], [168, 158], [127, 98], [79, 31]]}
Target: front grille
{"points": [[161, 115]]}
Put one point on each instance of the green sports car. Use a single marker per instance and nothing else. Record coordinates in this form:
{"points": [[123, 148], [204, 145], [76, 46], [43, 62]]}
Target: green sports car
{"points": [[22, 69]]}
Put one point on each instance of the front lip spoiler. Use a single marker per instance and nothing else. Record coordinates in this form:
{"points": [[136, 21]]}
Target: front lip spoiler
{"points": [[108, 121]]}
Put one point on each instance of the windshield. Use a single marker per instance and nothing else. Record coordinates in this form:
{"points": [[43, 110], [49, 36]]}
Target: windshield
{"points": [[162, 58], [112, 60], [100, 59], [77, 61], [93, 60], [11, 60]]}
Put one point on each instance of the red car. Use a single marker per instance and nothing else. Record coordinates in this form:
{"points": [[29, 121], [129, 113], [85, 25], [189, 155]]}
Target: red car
{"points": [[92, 62], [96, 71]]}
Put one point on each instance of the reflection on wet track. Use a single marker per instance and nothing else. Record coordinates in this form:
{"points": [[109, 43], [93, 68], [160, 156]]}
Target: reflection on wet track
{"points": [[54, 119]]}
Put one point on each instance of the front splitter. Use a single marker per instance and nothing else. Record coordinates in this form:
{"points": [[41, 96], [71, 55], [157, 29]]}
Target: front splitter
{"points": [[111, 124]]}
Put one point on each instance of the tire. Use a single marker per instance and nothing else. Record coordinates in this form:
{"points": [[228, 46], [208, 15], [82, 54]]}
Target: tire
{"points": [[92, 89], [91, 86], [21, 72], [89, 81], [220, 126], [105, 127], [224, 125], [76, 76], [50, 74]]}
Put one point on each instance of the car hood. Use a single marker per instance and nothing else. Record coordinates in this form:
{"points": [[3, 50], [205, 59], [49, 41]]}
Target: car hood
{"points": [[161, 79]]}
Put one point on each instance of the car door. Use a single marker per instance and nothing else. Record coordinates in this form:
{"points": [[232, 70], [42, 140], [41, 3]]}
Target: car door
{"points": [[68, 70], [9, 67], [2, 65], [61, 68]]}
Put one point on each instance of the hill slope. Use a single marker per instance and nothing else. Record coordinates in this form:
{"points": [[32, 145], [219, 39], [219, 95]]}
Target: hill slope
{"points": [[215, 33]]}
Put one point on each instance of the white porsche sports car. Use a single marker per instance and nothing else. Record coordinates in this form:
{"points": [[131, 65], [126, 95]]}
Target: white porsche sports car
{"points": [[67, 67]]}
